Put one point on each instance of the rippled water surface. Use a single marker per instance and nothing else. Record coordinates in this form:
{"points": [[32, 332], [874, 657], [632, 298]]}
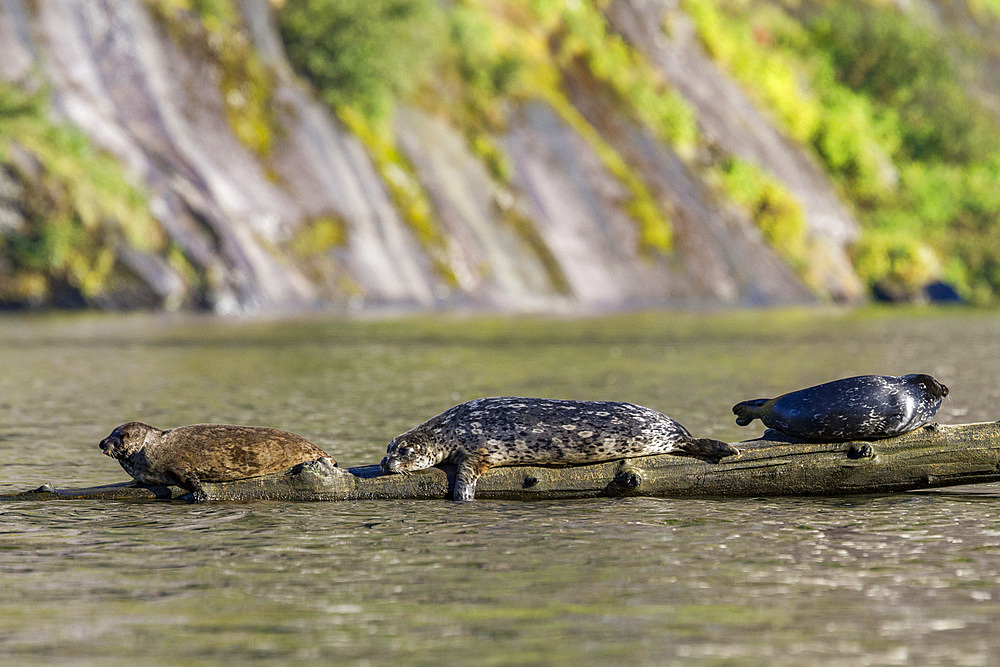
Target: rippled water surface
{"points": [[894, 579]]}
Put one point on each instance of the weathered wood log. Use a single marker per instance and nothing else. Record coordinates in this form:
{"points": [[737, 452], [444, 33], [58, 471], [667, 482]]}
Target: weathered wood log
{"points": [[933, 456]]}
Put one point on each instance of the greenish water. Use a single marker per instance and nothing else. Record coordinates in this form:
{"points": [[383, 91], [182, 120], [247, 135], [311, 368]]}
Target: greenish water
{"points": [[899, 579]]}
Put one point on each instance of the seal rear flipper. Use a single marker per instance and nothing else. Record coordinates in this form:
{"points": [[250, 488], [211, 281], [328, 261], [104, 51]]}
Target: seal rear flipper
{"points": [[747, 411], [706, 448]]}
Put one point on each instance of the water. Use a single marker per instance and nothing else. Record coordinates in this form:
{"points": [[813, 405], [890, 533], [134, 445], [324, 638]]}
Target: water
{"points": [[892, 579]]}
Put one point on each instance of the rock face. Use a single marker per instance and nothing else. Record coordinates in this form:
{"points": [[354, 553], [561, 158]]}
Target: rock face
{"points": [[555, 236], [730, 120]]}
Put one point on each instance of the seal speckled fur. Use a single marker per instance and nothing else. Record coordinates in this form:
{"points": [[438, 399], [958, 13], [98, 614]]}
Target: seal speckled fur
{"points": [[514, 431], [855, 408], [189, 455]]}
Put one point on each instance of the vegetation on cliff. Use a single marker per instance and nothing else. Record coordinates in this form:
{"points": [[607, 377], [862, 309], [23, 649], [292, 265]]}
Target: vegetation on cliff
{"points": [[887, 100], [492, 53], [214, 30], [499, 53], [74, 208], [874, 93], [877, 96]]}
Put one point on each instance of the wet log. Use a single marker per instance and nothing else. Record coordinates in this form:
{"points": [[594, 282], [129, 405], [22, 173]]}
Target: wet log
{"points": [[933, 456]]}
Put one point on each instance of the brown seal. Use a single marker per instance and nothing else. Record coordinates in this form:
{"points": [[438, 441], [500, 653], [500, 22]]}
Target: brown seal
{"points": [[189, 455]]}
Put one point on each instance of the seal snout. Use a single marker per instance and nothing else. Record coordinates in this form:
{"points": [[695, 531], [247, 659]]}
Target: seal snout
{"points": [[398, 457], [930, 384], [391, 464]]}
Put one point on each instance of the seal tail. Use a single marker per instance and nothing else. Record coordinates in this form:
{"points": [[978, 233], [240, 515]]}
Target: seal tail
{"points": [[747, 411], [706, 448]]}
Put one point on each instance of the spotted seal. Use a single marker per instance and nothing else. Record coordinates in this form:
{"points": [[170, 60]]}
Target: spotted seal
{"points": [[514, 431], [189, 455], [854, 408]]}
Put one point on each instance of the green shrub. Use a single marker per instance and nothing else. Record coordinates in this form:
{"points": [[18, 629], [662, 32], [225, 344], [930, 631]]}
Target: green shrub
{"points": [[769, 204], [911, 149], [476, 74], [487, 67], [76, 206], [581, 34], [361, 52], [877, 51], [897, 264], [979, 7], [773, 77], [319, 236]]}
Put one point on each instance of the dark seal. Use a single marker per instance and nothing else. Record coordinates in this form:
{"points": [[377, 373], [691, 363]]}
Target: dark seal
{"points": [[512, 431], [856, 408], [189, 455]]}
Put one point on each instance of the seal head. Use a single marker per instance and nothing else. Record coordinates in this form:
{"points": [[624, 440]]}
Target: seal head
{"points": [[511, 431], [855, 408], [125, 440], [408, 452]]}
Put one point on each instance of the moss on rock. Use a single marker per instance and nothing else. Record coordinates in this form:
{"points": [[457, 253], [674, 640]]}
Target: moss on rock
{"points": [[75, 207]]}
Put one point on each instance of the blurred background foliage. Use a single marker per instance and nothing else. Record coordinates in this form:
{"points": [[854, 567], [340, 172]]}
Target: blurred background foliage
{"points": [[886, 100], [879, 97], [76, 206], [874, 93], [362, 53]]}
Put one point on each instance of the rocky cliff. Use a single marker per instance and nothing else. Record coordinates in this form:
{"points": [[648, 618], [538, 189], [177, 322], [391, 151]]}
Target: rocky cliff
{"points": [[309, 220]]}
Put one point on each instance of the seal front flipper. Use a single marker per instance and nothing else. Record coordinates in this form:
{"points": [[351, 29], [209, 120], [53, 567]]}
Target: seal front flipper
{"points": [[470, 469], [747, 411], [705, 448], [198, 494]]}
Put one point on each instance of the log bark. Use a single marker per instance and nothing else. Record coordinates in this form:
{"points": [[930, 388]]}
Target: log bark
{"points": [[933, 456]]}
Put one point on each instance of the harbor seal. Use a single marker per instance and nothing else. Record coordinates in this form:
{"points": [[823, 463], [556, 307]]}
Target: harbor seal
{"points": [[189, 455], [855, 408], [515, 431]]}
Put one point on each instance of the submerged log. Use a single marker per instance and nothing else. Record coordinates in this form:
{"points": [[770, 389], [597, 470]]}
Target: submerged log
{"points": [[933, 456]]}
